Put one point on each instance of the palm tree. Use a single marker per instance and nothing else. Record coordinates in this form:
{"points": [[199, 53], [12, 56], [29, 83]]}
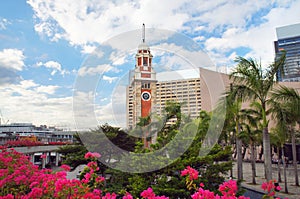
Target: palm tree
{"points": [[278, 137], [254, 83], [251, 131], [289, 100], [233, 107]]}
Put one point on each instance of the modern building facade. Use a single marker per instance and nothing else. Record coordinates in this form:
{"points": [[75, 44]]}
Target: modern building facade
{"points": [[289, 41]]}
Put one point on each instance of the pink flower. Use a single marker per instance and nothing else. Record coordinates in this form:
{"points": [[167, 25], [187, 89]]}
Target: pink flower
{"points": [[9, 196], [264, 186], [100, 179], [228, 188], [65, 167], [96, 155], [148, 193], [87, 176], [90, 155], [201, 194], [270, 188], [191, 172], [97, 191], [127, 196], [278, 188], [110, 196], [43, 156]]}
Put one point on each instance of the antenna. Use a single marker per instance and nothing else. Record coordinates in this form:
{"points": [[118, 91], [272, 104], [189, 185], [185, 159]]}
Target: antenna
{"points": [[143, 34]]}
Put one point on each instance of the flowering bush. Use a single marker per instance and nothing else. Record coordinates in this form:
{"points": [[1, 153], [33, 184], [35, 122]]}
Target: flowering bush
{"points": [[270, 187], [20, 179], [228, 189], [192, 175], [149, 194], [20, 143]]}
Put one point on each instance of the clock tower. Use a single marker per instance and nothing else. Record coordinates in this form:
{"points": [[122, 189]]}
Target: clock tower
{"points": [[141, 93]]}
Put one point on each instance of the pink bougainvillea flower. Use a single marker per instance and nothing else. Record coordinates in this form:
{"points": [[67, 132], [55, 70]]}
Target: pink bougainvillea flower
{"points": [[228, 188], [193, 173], [43, 156], [65, 167], [96, 155], [90, 155], [16, 169], [278, 188], [110, 196], [127, 196], [148, 193]]}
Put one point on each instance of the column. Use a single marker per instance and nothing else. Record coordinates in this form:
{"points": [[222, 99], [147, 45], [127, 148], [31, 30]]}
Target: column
{"points": [[56, 158], [32, 158], [44, 161]]}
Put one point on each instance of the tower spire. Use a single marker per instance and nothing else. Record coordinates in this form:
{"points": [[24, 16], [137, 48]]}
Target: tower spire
{"points": [[143, 34]]}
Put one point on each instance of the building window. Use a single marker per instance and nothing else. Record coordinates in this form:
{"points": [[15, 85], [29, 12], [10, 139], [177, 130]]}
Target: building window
{"points": [[145, 61], [146, 85]]}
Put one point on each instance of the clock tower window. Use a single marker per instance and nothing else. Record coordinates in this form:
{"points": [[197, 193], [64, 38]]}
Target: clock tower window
{"points": [[145, 61]]}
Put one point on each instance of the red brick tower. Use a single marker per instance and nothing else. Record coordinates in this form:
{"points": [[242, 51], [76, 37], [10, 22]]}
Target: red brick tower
{"points": [[142, 89]]}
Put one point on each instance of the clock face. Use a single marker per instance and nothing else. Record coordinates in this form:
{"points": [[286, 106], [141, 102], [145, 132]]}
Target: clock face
{"points": [[146, 96]]}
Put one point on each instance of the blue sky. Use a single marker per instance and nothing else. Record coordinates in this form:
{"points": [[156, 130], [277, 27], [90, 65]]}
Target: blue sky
{"points": [[48, 45]]}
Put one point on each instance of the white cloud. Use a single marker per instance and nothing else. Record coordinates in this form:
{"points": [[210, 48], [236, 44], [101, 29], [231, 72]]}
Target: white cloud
{"points": [[221, 26], [12, 59], [87, 49], [258, 39], [25, 84], [104, 114], [102, 20], [117, 58], [55, 66], [29, 102], [3, 23], [109, 79], [50, 89], [97, 70], [175, 57]]}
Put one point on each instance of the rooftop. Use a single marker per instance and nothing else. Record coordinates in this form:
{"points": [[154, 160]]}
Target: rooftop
{"points": [[288, 31]]}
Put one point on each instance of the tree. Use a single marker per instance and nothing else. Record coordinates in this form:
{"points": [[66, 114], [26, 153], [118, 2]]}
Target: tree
{"points": [[73, 155], [289, 100], [233, 107], [167, 180], [278, 138], [251, 131], [255, 83]]}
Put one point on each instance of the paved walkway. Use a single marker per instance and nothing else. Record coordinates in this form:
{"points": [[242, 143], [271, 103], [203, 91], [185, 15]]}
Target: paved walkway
{"points": [[294, 191]]}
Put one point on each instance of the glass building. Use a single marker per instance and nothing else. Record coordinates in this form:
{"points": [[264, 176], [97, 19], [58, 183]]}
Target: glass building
{"points": [[289, 41]]}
